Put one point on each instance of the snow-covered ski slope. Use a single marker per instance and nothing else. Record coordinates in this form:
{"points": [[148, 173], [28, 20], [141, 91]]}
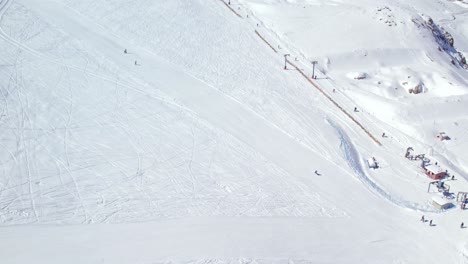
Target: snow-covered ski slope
{"points": [[196, 146]]}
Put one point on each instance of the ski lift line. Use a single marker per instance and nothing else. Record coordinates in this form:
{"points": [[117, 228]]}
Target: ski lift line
{"points": [[335, 103], [232, 9], [264, 40]]}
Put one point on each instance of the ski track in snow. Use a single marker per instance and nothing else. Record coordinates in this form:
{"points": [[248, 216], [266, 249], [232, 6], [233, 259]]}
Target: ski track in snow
{"points": [[350, 153], [354, 161], [67, 164], [219, 173], [136, 146]]}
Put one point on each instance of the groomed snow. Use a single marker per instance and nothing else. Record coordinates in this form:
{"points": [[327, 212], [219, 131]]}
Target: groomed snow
{"points": [[196, 146]]}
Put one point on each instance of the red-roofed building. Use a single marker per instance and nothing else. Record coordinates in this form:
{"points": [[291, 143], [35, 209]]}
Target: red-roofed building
{"points": [[434, 172]]}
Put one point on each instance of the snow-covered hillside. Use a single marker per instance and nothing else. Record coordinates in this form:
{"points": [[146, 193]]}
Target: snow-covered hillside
{"points": [[195, 145]]}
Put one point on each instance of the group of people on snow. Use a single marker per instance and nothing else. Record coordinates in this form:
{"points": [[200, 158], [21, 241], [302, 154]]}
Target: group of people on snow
{"points": [[462, 225]]}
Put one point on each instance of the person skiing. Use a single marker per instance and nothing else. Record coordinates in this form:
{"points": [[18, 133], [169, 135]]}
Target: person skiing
{"points": [[355, 109], [430, 223], [135, 62], [316, 172], [422, 218], [383, 134], [462, 225], [125, 51]]}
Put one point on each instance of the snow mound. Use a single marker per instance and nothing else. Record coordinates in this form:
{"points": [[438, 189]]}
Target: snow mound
{"points": [[357, 75]]}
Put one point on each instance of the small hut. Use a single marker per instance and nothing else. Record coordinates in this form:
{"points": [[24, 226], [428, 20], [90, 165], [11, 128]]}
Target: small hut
{"points": [[441, 203], [372, 163], [442, 136], [434, 172]]}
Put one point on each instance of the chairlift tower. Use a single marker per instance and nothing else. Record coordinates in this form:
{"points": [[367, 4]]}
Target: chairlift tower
{"points": [[285, 60], [313, 69]]}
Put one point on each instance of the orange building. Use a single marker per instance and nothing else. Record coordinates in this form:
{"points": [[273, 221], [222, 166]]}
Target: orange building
{"points": [[434, 172]]}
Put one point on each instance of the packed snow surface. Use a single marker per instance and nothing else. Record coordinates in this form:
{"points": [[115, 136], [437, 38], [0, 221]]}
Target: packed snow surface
{"points": [[175, 131]]}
